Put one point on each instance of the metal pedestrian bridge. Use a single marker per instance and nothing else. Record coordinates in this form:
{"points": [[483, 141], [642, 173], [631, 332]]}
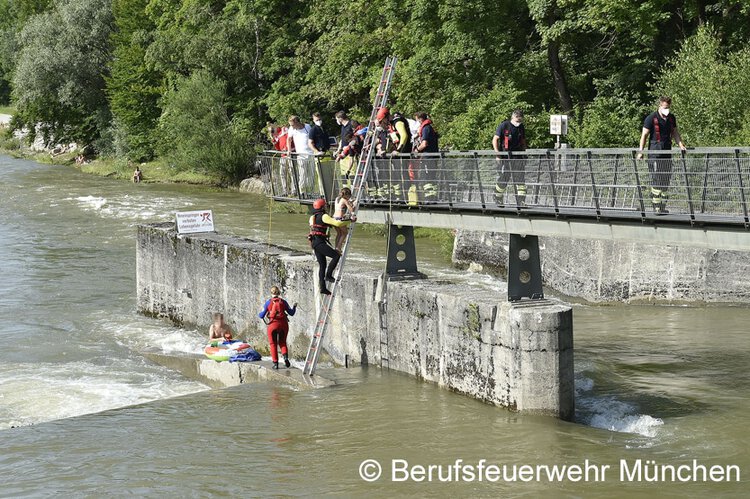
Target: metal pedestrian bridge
{"points": [[577, 193]]}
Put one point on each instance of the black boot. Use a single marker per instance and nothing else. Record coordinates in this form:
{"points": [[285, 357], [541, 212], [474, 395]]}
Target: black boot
{"points": [[275, 365], [659, 209], [286, 360]]}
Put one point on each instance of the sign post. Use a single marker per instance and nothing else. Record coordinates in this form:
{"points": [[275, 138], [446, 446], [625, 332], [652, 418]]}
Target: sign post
{"points": [[191, 222], [558, 126]]}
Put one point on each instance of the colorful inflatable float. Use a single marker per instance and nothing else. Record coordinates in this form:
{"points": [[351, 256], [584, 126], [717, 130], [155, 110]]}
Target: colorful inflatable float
{"points": [[232, 351]]}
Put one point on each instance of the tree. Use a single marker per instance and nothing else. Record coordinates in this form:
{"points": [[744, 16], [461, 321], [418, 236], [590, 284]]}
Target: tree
{"points": [[13, 15], [133, 87], [196, 131], [709, 89], [61, 69]]}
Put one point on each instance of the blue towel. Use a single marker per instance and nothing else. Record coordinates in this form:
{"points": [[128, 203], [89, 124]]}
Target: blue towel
{"points": [[248, 355]]}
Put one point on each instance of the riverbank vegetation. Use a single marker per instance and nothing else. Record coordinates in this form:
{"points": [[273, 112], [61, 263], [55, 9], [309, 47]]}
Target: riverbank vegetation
{"points": [[192, 84]]}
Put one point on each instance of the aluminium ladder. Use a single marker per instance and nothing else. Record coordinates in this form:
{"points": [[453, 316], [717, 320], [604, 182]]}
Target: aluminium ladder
{"points": [[360, 179]]}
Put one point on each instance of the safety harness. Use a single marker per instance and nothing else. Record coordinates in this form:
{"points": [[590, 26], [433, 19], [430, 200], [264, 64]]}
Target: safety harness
{"points": [[657, 131], [506, 137]]}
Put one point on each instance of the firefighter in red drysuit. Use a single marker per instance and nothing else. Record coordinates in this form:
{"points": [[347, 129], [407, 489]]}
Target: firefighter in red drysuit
{"points": [[276, 309]]}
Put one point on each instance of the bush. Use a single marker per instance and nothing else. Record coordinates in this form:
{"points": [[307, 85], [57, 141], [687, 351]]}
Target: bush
{"points": [[709, 90], [475, 128], [609, 121], [196, 132]]}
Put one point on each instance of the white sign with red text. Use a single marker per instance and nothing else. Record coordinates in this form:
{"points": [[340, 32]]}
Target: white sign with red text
{"points": [[190, 222]]}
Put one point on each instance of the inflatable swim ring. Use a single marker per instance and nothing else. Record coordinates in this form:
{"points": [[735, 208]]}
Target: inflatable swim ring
{"points": [[225, 350]]}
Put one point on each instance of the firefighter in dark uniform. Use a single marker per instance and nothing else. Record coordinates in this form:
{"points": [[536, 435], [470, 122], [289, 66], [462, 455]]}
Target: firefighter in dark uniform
{"points": [[659, 128], [427, 142], [320, 222], [510, 136]]}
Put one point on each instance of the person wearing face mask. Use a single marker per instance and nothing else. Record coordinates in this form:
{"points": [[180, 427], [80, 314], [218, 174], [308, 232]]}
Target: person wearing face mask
{"points": [[510, 136], [659, 128], [428, 165], [318, 137]]}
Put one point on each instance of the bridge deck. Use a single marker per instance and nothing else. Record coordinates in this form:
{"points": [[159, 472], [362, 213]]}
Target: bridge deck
{"points": [[595, 193]]}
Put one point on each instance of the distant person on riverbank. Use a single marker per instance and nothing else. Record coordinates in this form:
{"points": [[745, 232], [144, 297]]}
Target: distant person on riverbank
{"points": [[343, 210], [137, 175], [219, 330], [661, 126], [320, 222], [276, 310], [510, 136]]}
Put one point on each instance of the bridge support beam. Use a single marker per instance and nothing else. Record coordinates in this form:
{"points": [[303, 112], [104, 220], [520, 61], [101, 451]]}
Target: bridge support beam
{"points": [[524, 268], [402, 254]]}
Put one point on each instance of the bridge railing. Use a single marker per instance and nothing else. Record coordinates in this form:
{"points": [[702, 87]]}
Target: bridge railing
{"points": [[698, 184]]}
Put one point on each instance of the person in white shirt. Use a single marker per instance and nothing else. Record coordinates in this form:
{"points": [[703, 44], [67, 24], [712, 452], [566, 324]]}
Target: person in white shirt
{"points": [[299, 135]]}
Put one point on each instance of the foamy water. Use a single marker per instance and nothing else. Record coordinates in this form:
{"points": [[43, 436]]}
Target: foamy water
{"points": [[32, 393], [131, 207], [609, 412]]}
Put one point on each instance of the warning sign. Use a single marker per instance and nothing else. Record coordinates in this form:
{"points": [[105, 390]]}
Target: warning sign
{"points": [[190, 222]]}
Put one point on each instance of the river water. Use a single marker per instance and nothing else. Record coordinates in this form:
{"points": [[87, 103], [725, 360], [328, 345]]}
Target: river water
{"points": [[83, 414]]}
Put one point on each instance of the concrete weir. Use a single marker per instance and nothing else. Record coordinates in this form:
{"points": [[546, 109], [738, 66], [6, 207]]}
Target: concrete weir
{"points": [[518, 356]]}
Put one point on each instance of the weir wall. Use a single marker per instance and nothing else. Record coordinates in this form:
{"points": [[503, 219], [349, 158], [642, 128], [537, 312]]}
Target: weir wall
{"points": [[518, 356]]}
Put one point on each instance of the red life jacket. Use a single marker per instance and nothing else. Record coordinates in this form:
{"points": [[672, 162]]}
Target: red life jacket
{"points": [[317, 227], [422, 125], [657, 132], [276, 309]]}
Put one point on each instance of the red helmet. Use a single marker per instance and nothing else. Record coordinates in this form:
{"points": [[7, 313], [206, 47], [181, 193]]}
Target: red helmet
{"points": [[319, 204], [382, 113]]}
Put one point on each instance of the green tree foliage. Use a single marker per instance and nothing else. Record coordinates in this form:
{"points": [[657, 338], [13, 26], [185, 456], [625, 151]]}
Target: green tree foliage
{"points": [[59, 78], [13, 15], [196, 132], [609, 121], [466, 63], [134, 88], [709, 89]]}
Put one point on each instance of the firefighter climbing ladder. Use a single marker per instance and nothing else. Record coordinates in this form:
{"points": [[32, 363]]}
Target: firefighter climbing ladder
{"points": [[360, 179]]}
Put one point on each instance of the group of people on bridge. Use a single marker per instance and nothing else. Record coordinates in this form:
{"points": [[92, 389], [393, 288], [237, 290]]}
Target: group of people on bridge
{"points": [[406, 167]]}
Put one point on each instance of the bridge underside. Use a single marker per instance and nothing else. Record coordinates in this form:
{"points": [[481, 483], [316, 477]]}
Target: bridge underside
{"points": [[712, 233]]}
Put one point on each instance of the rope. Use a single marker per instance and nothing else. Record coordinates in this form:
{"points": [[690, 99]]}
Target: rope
{"points": [[270, 225]]}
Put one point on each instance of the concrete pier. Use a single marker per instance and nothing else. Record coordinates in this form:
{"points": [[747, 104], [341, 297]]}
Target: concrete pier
{"points": [[602, 271], [518, 356]]}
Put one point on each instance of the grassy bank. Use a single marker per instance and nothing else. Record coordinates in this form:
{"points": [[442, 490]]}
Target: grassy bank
{"points": [[7, 110], [152, 172]]}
